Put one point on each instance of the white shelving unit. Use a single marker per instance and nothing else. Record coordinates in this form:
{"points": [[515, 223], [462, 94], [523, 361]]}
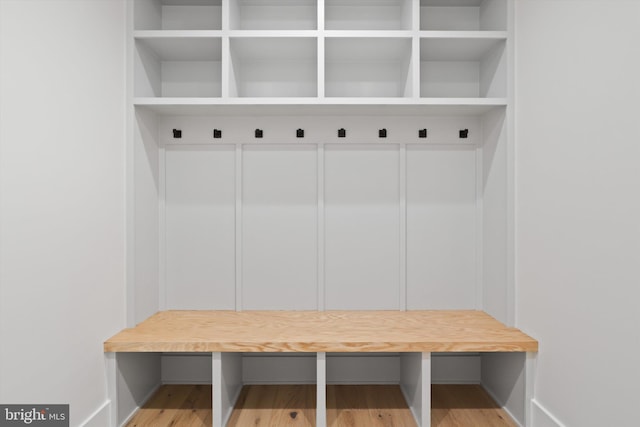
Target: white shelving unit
{"points": [[368, 15], [463, 67], [463, 15], [396, 195], [368, 67], [273, 67], [177, 15], [273, 15], [177, 66]]}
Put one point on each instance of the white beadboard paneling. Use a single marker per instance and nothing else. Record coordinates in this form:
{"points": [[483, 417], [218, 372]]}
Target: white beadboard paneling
{"points": [[200, 233], [362, 227], [279, 228], [441, 209]]}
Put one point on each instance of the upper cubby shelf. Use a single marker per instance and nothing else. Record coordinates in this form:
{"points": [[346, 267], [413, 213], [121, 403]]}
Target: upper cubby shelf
{"points": [[177, 14], [368, 67], [273, 67], [463, 15], [273, 15], [177, 67], [368, 14], [463, 68]]}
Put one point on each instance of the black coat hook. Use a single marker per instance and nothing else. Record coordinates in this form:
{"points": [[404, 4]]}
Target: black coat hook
{"points": [[342, 133], [177, 133], [382, 133], [217, 133], [300, 133], [422, 133], [258, 133], [464, 133]]}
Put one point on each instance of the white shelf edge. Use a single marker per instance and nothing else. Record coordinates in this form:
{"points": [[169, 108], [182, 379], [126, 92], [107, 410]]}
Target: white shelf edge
{"points": [[499, 35], [173, 34], [327, 106], [368, 33]]}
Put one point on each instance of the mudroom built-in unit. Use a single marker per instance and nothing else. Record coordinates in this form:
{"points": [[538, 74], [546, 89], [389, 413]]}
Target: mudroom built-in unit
{"points": [[319, 155]]}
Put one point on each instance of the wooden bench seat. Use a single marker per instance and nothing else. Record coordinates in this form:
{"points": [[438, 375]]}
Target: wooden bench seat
{"points": [[229, 334], [314, 331]]}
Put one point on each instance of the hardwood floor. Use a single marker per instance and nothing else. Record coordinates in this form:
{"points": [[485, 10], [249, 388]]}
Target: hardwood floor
{"points": [[347, 406]]}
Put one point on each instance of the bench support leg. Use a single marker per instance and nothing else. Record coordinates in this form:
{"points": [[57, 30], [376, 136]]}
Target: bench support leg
{"points": [[321, 390], [112, 387], [530, 375], [415, 382], [226, 385]]}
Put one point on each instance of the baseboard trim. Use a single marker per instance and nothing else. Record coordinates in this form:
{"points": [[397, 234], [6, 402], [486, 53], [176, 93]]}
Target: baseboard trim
{"points": [[99, 417], [146, 398], [502, 405], [543, 417]]}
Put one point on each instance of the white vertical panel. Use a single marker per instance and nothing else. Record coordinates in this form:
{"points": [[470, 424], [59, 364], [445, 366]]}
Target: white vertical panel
{"points": [[362, 227], [321, 390], [441, 208], [145, 216], [415, 383], [279, 228], [200, 232]]}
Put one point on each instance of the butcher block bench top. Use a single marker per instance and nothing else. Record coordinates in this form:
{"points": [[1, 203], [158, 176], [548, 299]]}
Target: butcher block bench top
{"points": [[321, 331]]}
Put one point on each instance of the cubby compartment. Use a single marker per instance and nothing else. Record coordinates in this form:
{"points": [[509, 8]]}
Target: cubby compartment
{"points": [[463, 15], [368, 67], [273, 15], [273, 67], [463, 68], [177, 14], [368, 15], [178, 67]]}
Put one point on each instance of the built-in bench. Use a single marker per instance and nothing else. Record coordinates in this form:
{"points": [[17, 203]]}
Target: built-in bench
{"points": [[228, 334]]}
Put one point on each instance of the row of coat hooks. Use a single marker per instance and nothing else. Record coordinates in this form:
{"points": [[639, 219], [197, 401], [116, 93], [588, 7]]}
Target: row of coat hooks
{"points": [[342, 133]]}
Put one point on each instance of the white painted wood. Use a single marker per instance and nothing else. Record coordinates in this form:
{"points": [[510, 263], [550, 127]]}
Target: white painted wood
{"points": [[274, 15], [192, 17], [495, 217], [189, 368], [441, 228], [162, 226], [178, 66], [300, 368], [448, 18], [348, 368], [504, 378], [279, 368], [457, 67], [531, 364], [274, 66], [145, 217], [216, 390], [402, 177], [362, 227], [321, 389], [415, 383], [368, 67], [200, 234], [279, 228], [458, 368], [238, 227], [321, 229], [368, 15], [227, 384], [111, 368]]}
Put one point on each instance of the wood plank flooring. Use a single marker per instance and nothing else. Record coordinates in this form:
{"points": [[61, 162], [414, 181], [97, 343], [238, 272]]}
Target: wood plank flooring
{"points": [[347, 406]]}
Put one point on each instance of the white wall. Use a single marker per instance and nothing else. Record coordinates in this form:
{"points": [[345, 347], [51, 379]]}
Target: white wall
{"points": [[578, 205], [62, 194]]}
